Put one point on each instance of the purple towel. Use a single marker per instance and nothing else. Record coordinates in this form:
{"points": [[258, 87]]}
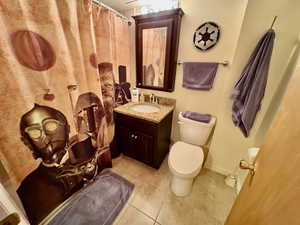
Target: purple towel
{"points": [[250, 89], [204, 118], [199, 75]]}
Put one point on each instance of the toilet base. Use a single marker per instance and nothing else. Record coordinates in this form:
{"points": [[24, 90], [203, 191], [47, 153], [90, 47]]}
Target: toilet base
{"points": [[181, 186]]}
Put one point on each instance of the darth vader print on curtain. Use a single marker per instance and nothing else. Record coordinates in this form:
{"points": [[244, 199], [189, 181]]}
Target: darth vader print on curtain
{"points": [[122, 90]]}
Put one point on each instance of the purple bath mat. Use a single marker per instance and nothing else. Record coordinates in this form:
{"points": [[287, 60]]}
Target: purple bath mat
{"points": [[98, 204]]}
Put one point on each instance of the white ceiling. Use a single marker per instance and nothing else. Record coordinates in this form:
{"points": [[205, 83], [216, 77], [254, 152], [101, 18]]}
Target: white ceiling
{"points": [[121, 5]]}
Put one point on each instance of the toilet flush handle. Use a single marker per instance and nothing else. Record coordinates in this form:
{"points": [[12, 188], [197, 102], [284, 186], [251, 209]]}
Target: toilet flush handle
{"points": [[180, 122]]}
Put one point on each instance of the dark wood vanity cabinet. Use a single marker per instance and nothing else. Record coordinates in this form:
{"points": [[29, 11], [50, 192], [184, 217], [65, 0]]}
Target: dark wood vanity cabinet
{"points": [[136, 144], [143, 140]]}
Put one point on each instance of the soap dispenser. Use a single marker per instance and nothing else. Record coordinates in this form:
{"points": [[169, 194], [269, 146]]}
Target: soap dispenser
{"points": [[135, 95]]}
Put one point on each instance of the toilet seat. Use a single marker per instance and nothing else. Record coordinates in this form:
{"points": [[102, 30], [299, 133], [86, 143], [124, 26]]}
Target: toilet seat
{"points": [[185, 160]]}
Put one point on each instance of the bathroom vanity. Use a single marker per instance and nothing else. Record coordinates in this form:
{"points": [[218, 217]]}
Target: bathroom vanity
{"points": [[143, 134]]}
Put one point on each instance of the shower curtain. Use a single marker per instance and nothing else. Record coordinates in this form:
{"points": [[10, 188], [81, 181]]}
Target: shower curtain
{"points": [[59, 63]]}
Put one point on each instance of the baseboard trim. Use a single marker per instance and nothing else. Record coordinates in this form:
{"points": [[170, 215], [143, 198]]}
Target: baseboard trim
{"points": [[238, 185], [219, 170]]}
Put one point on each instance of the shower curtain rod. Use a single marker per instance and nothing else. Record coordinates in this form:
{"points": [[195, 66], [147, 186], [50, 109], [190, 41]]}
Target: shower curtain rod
{"points": [[111, 9]]}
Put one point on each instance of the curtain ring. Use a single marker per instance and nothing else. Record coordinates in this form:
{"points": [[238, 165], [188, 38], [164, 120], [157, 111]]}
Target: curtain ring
{"points": [[98, 12], [86, 5]]}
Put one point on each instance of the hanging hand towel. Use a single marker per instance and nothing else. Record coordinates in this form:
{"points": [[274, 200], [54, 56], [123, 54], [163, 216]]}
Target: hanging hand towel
{"points": [[250, 89], [199, 75]]}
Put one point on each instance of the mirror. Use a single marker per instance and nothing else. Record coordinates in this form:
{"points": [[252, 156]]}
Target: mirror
{"points": [[154, 56], [157, 37]]}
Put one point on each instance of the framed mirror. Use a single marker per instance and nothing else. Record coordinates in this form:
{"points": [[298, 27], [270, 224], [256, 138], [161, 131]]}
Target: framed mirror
{"points": [[157, 38]]}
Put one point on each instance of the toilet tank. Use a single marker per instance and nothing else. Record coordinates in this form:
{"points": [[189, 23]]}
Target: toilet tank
{"points": [[194, 132]]}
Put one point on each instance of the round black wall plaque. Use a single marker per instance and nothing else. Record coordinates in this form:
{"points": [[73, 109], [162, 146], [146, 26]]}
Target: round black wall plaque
{"points": [[206, 36]]}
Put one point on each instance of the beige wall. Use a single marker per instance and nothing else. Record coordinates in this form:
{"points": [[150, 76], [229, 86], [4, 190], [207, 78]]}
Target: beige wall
{"points": [[298, 62], [242, 24], [230, 145], [229, 16]]}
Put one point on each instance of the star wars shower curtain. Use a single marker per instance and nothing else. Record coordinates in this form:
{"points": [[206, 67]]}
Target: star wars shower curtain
{"points": [[64, 66]]}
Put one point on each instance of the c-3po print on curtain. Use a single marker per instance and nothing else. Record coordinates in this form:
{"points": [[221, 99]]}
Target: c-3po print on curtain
{"points": [[59, 65]]}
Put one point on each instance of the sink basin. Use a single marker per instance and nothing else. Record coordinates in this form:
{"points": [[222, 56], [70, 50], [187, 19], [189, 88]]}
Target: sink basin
{"points": [[145, 108]]}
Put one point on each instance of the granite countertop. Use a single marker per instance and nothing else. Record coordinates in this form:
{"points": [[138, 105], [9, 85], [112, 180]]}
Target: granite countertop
{"points": [[155, 117]]}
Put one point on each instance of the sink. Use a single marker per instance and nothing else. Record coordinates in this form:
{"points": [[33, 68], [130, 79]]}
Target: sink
{"points": [[145, 108]]}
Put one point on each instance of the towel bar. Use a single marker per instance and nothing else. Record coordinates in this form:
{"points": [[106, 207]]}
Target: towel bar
{"points": [[224, 63]]}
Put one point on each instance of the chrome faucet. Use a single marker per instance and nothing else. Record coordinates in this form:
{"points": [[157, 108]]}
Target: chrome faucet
{"points": [[153, 98]]}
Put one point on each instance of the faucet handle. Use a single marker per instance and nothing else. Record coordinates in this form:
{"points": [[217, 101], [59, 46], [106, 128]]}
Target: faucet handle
{"points": [[152, 98]]}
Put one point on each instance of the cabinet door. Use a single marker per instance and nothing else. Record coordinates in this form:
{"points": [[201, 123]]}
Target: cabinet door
{"points": [[143, 147], [135, 144], [125, 142]]}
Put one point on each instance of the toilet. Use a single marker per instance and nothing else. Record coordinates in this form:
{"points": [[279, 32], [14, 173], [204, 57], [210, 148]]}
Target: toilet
{"points": [[186, 156]]}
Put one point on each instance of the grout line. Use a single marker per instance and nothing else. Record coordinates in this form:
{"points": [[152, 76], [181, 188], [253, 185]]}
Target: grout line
{"points": [[159, 212], [156, 223], [143, 212]]}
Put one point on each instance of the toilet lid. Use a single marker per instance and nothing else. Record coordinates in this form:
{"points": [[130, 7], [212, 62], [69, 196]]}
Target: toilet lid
{"points": [[186, 158]]}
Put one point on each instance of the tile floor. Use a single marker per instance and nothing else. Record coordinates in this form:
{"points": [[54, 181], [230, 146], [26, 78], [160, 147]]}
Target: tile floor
{"points": [[153, 203]]}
